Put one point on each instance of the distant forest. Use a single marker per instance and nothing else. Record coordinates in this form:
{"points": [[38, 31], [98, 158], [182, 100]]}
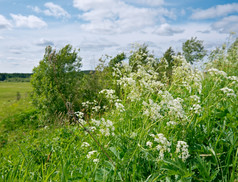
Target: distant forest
{"points": [[15, 77], [24, 77]]}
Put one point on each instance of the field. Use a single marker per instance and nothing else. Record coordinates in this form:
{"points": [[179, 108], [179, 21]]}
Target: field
{"points": [[12, 97], [142, 125]]}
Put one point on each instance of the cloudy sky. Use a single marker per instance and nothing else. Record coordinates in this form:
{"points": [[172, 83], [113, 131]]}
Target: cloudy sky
{"points": [[100, 27]]}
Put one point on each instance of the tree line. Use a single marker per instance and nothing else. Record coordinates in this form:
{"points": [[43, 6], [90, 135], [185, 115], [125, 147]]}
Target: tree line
{"points": [[15, 77]]}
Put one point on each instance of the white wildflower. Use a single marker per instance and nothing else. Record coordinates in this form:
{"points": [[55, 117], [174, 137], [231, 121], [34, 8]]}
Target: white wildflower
{"points": [[91, 153], [182, 150], [105, 107], [83, 122], [228, 91], [92, 128], [149, 144], [85, 144], [96, 108], [95, 160], [216, 72], [109, 94], [79, 114], [196, 108], [195, 98], [120, 107], [96, 122], [106, 127], [233, 78], [171, 123], [176, 108], [152, 110], [163, 144]]}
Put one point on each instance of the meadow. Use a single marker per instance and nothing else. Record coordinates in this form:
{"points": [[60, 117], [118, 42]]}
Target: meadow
{"points": [[10, 95], [144, 125]]}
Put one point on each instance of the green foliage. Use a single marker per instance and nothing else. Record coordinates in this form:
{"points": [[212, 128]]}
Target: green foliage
{"points": [[168, 56], [55, 81], [117, 60], [193, 50], [26, 119], [152, 131]]}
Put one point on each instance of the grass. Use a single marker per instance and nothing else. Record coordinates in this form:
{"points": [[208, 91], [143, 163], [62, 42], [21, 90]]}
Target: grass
{"points": [[14, 97], [8, 91], [16, 111], [186, 131]]}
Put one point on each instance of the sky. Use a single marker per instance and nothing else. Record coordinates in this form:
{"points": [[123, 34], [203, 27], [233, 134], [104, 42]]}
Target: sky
{"points": [[108, 27]]}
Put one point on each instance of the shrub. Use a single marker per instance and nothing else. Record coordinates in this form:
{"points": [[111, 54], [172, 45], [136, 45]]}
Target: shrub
{"points": [[55, 81]]}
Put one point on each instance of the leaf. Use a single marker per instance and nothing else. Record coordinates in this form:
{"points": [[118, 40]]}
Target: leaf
{"points": [[115, 152]]}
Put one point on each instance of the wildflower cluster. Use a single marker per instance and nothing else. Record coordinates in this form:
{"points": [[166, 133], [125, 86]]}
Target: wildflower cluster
{"points": [[136, 83], [234, 79], [172, 107], [195, 104], [229, 92], [104, 126], [91, 107], [80, 116], [112, 99], [171, 123], [162, 144], [217, 73], [109, 94], [182, 150], [152, 110], [184, 76], [196, 108]]}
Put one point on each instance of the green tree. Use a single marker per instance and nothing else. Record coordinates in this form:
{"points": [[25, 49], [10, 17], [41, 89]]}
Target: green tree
{"points": [[168, 55], [193, 50], [55, 80], [118, 59]]}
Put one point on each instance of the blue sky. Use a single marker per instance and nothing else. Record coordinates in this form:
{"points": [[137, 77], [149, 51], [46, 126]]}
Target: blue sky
{"points": [[100, 27]]}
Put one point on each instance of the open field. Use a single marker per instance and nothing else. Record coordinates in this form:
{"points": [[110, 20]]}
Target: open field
{"points": [[8, 91], [13, 96]]}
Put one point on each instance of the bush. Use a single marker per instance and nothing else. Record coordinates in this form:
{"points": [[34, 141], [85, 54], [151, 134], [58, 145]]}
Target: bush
{"points": [[55, 81]]}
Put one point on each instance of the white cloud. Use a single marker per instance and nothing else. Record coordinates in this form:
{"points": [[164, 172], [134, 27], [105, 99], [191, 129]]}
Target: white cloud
{"points": [[226, 25], [52, 10], [216, 11], [115, 16], [168, 30], [204, 31], [96, 45], [4, 23], [55, 10], [35, 8], [94, 4], [148, 2], [30, 21], [44, 42]]}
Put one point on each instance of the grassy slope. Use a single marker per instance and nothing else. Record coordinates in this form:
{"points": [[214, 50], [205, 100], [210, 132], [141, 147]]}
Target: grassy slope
{"points": [[13, 111]]}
